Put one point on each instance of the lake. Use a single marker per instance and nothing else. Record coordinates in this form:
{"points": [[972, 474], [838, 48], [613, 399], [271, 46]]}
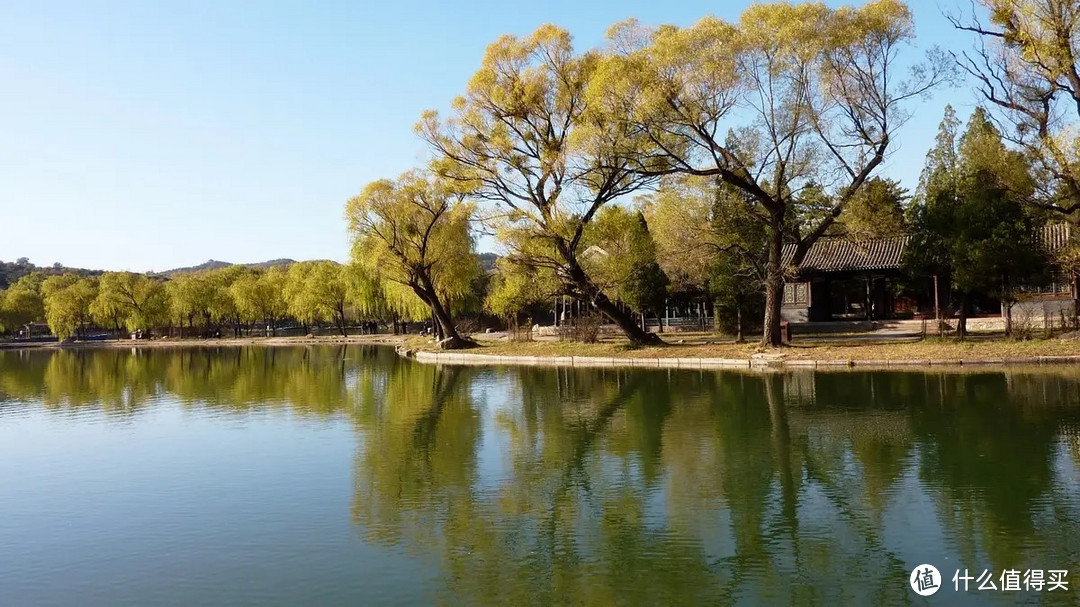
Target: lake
{"points": [[349, 476]]}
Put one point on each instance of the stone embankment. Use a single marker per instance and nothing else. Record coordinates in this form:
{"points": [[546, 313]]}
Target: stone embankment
{"points": [[758, 361]]}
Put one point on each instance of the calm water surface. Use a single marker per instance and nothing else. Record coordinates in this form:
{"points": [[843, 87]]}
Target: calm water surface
{"points": [[346, 476]]}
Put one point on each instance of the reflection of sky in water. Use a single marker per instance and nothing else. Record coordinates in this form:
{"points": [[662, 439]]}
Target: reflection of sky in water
{"points": [[493, 393], [178, 506], [910, 525]]}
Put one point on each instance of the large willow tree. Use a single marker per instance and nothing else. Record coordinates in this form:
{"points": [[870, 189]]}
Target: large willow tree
{"points": [[414, 232], [136, 301], [524, 138], [794, 105], [1027, 67], [67, 299]]}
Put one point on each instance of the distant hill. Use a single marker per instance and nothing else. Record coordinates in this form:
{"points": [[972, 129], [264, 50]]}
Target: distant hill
{"points": [[211, 264], [14, 270], [487, 262], [11, 271], [214, 264]]}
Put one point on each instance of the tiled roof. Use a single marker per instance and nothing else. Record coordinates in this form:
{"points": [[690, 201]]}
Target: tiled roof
{"points": [[1055, 236], [841, 254]]}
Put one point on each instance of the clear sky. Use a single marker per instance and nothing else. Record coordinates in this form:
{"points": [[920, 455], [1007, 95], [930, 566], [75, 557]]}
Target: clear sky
{"points": [[149, 135]]}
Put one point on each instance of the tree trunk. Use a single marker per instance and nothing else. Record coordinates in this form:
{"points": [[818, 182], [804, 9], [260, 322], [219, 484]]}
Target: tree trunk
{"points": [[1006, 302], [1076, 302], [937, 307], [961, 322], [341, 321], [774, 291], [444, 323], [738, 323], [625, 321]]}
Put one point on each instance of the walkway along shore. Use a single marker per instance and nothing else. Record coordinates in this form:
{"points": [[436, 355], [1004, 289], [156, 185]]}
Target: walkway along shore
{"points": [[761, 361]]}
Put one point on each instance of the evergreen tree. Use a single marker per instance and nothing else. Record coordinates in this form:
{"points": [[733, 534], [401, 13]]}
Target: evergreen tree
{"points": [[968, 222]]}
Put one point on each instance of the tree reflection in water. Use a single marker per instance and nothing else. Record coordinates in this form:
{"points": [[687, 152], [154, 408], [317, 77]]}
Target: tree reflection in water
{"points": [[603, 486]]}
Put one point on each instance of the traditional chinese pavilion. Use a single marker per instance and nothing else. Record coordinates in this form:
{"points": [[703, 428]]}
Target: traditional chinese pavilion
{"points": [[843, 279]]}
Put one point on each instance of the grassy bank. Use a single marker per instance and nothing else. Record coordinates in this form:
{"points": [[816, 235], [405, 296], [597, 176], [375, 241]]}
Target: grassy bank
{"points": [[699, 346], [927, 349]]}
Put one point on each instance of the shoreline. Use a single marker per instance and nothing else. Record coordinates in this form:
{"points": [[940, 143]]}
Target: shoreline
{"points": [[804, 357], [234, 342], [765, 362]]}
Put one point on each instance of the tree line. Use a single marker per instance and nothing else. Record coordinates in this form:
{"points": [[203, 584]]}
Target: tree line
{"points": [[740, 138], [233, 299]]}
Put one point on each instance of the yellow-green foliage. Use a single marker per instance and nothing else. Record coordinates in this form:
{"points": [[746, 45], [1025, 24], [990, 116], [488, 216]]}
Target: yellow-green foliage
{"points": [[260, 295], [413, 233], [622, 244], [22, 303], [299, 298], [317, 291], [203, 297], [1025, 67], [191, 295], [515, 287], [788, 92], [67, 300], [789, 96], [680, 220], [223, 304], [525, 137], [374, 297], [136, 301]]}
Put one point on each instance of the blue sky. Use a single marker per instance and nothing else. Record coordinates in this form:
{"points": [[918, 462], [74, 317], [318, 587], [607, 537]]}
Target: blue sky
{"points": [[149, 135]]}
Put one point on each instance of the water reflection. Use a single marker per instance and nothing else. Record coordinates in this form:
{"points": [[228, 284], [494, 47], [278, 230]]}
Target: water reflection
{"points": [[604, 486]]}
